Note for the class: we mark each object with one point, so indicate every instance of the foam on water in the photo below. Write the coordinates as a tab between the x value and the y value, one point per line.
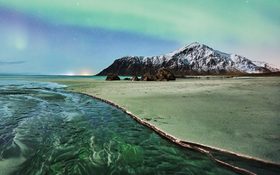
7	84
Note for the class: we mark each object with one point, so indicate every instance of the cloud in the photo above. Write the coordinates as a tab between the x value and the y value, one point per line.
11	62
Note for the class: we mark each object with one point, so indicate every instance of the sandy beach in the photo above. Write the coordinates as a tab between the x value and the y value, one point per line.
235	114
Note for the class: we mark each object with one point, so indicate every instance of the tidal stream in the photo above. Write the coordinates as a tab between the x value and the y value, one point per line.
46	130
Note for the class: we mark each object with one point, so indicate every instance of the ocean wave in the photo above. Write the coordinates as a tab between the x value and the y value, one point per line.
12	84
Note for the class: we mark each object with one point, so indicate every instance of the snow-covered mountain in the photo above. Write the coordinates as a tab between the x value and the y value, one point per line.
194	59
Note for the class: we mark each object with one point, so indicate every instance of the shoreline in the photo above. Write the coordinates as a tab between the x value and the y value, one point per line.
205	149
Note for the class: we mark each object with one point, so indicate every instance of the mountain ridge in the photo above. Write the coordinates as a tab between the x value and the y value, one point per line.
193	59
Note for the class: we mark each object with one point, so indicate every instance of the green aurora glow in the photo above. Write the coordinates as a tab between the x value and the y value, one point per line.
178	19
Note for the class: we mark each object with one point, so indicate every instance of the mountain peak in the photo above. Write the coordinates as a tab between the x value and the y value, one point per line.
194	45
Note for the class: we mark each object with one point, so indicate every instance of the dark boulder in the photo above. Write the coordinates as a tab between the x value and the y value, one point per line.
135	78
164	74
111	77
148	77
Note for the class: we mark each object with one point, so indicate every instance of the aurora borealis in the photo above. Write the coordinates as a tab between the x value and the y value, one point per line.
73	36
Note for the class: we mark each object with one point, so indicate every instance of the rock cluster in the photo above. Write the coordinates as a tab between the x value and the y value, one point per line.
162	74
112	77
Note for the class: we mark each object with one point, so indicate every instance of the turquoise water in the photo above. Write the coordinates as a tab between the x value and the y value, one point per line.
42	77
45	130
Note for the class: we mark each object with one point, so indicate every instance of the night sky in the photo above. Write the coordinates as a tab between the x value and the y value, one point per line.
85	36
